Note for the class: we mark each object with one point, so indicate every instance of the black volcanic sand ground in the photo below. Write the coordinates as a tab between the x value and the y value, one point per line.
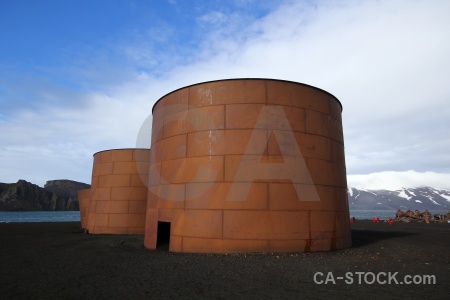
59	261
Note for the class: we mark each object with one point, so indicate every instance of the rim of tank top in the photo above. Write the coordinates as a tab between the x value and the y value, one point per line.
117	149
250	78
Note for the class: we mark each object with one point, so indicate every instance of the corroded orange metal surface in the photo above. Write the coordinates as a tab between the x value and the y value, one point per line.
118	193
248	165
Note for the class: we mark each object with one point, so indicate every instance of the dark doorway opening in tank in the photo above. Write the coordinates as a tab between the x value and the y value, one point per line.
163	238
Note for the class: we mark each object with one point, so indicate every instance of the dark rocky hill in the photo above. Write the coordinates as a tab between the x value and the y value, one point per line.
25	196
65	188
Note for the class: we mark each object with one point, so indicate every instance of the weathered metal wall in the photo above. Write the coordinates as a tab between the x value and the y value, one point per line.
248	165
119	191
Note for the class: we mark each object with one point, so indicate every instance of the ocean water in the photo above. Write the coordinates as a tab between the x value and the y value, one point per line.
39	216
74	216
369	214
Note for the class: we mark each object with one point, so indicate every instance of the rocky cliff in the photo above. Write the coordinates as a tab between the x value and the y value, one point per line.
25	196
65	188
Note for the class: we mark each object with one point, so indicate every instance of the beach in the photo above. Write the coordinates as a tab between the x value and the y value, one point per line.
57	260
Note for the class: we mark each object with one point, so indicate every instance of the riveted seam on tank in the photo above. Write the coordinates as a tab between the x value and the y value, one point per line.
222	225
265	91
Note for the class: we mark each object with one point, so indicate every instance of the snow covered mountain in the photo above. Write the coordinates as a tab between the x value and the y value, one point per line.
407	198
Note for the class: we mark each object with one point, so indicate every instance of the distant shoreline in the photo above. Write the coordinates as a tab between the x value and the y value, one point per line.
74	216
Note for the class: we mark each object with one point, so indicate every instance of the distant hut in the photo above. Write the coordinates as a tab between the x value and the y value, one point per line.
399	214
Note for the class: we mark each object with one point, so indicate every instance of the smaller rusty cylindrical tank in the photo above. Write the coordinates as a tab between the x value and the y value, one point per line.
248	165
119	191
83	203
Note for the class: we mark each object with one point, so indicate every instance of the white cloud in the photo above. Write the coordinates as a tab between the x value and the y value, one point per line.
59	141
386	61
214	18
48	160
395	180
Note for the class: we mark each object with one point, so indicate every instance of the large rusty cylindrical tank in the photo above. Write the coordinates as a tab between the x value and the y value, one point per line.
119	191
248	165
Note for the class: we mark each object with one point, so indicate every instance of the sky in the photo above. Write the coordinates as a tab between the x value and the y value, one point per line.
78	77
